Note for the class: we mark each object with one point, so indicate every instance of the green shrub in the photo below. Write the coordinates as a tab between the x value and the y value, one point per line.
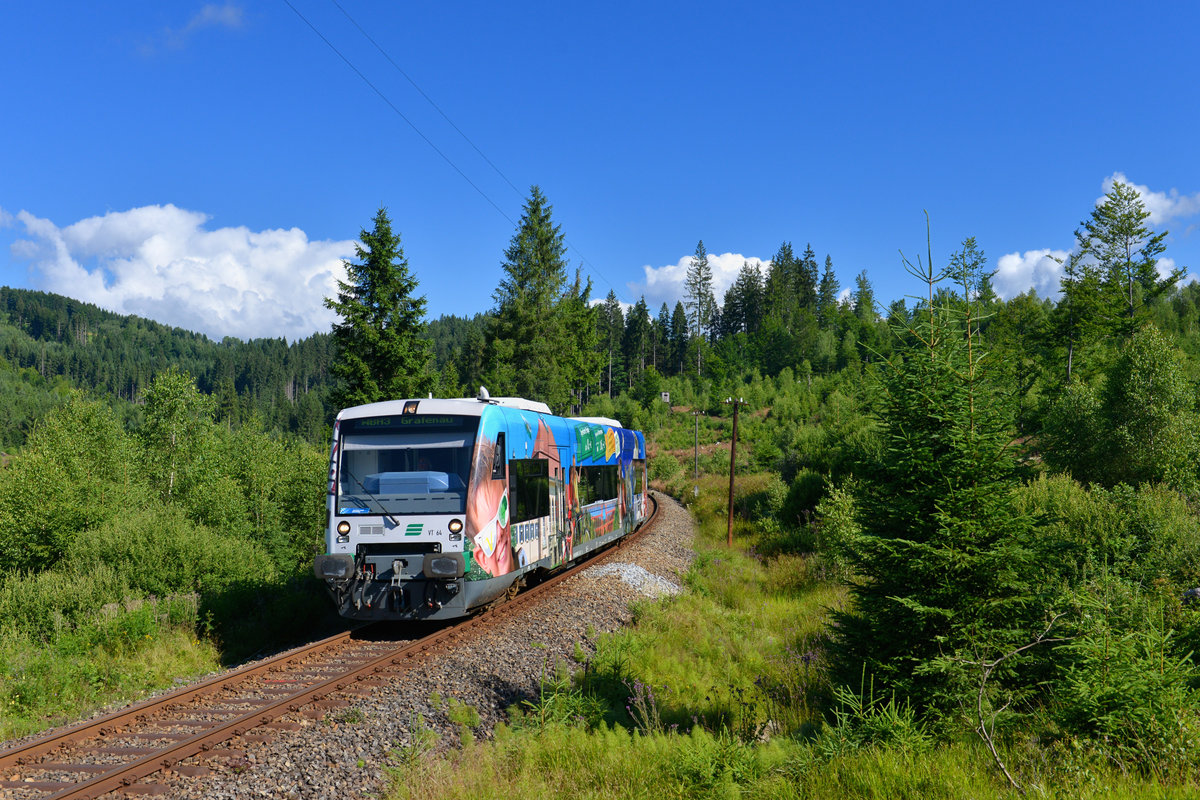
836	524
1129	696
36	606
803	495
1148	535
161	552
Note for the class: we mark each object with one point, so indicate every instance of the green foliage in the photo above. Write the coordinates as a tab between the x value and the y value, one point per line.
381	353
942	557
78	469
862	720
836	527
1140	427
1148	536
1130	696
37	605
160	552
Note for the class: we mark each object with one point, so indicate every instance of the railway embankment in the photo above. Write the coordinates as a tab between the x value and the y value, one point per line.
461	693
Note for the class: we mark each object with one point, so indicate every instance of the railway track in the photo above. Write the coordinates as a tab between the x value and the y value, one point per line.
124	751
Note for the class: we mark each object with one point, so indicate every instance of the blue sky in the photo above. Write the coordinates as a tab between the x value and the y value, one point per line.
209	164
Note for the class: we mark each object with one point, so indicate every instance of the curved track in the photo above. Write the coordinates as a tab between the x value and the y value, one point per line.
116	751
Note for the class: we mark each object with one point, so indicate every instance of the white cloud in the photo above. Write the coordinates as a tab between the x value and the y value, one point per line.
1037	269
844	296
666	284
160	262
210	15
1163	206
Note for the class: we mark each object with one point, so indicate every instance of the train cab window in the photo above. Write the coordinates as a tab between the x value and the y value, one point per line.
404	465
530	488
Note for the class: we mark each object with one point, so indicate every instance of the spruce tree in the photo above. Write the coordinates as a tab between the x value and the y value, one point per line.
806	280
779	299
942	565
827	296
527	330
611	328
381	351
679	337
636	342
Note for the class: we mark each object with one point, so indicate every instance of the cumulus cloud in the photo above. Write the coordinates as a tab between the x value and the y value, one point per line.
1037	269
160	262
1163	206
667	284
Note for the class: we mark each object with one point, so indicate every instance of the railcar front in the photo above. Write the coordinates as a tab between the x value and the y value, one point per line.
399	479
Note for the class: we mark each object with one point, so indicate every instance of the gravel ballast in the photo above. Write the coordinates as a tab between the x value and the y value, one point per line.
345	753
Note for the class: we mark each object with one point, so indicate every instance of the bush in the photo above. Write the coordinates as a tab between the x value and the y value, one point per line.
1148	535
1130	697
161	552
803	495
38	606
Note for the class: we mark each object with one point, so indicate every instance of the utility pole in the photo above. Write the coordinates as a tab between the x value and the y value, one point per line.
732	462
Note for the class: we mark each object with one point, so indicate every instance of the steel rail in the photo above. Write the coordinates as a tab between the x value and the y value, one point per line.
128	773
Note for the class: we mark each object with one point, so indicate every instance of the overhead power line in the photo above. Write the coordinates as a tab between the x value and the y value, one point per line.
399	113
428	99
590	267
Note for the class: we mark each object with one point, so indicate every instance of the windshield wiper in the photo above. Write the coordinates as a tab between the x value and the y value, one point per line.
395	522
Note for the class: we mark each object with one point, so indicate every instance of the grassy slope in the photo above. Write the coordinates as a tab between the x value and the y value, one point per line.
719	693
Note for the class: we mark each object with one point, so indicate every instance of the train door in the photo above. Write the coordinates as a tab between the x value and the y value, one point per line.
559	544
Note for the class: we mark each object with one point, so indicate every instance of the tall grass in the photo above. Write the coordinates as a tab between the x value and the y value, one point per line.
88	661
723	692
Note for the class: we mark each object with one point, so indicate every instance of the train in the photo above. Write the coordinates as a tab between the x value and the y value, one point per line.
439	507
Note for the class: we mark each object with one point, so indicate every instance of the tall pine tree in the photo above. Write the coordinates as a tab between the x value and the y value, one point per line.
528	328
381	352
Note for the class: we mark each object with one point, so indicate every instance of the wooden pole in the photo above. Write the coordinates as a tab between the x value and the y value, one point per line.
732	465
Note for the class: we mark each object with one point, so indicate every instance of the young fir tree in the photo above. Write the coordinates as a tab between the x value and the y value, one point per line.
942	565
381	352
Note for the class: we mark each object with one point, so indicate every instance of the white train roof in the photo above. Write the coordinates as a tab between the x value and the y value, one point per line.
465	407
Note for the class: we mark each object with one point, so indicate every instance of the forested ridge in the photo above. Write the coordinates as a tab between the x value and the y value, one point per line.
966	527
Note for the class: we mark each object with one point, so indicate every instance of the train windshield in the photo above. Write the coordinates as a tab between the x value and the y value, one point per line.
405	464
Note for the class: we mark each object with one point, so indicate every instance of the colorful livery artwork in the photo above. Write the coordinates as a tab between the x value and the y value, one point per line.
437	507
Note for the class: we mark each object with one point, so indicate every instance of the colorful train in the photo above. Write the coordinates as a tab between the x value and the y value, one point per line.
438	507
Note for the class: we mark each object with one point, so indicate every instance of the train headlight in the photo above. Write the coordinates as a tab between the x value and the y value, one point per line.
455	526
343	528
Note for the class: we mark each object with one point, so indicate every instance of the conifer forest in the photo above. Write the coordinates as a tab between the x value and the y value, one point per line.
997	500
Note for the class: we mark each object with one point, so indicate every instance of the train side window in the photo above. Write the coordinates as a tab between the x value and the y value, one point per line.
530	489
597	483
498	471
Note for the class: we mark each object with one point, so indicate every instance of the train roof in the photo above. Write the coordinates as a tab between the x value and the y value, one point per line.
465	407
598	421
